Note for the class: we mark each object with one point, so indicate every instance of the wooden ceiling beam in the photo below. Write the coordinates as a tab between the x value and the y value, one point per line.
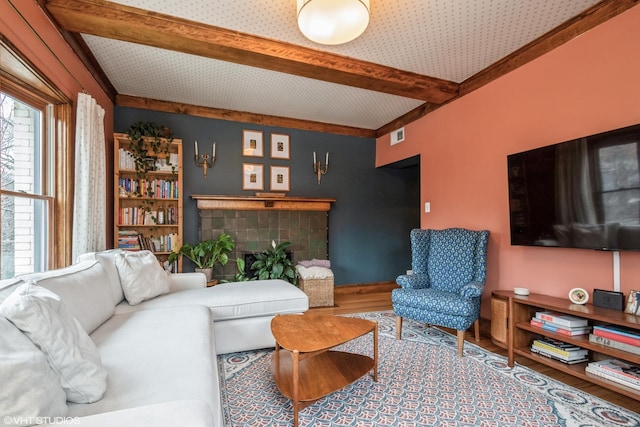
239	116
115	21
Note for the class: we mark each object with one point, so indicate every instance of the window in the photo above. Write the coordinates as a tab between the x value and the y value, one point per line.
619	168
36	198
25	186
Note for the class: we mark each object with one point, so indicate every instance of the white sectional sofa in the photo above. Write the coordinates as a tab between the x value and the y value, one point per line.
159	355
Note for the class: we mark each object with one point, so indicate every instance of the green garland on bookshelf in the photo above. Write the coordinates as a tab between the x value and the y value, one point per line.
149	141
145	138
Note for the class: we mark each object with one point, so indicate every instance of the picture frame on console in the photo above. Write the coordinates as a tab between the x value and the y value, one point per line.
633	303
280	178
252	176
280	146
252	143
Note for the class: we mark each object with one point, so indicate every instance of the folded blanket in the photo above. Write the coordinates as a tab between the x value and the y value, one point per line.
315	263
314	272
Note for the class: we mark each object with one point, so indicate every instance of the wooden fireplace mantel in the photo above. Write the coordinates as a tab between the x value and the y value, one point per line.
248	203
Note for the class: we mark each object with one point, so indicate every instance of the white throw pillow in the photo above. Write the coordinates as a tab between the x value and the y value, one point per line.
85	290
106	259
43	317
29	388
141	276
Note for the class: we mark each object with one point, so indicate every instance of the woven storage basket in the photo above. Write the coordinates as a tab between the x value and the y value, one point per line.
320	291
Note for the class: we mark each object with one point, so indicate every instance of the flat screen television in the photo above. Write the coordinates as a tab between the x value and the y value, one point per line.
583	193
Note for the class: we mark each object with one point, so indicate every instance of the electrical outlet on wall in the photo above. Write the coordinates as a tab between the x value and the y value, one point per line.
427	207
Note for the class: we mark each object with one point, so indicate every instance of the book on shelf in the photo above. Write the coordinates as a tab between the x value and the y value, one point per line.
562	319
618	345
559	344
632	333
618	333
611	377
560	329
128	240
568	361
618	371
628	370
559	348
127	233
128	246
563	356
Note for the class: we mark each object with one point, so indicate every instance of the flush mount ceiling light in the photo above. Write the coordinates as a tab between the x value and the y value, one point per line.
333	22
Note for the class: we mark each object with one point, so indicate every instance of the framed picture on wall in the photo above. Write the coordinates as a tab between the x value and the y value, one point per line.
252	144
252	176
279	178
279	146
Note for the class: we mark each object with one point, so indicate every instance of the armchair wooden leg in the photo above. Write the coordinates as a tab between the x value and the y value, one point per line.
398	327
476	327
460	342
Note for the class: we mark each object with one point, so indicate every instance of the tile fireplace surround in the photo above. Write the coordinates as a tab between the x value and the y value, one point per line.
253	222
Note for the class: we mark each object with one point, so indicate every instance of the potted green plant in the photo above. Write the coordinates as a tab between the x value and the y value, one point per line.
241	275
274	264
205	255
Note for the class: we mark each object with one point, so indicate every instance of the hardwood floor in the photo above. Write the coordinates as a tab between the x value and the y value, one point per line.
358	299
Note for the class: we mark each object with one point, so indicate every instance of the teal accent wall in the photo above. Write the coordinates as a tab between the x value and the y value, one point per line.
369	224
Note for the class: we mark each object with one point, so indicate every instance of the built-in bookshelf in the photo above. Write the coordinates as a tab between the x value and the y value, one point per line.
148	207
520	334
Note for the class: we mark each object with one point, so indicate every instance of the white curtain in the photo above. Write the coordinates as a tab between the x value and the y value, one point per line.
89	207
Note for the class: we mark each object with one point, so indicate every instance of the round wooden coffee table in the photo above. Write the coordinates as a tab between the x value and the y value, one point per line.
304	366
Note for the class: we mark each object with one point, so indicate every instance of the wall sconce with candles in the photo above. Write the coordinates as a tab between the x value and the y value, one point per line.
205	161
317	166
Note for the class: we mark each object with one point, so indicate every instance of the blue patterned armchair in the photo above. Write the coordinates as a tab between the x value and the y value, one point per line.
449	270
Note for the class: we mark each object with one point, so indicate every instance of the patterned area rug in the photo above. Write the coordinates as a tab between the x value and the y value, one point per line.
421	382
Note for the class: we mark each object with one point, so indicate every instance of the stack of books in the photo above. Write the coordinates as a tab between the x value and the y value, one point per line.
620	372
128	239
561	323
559	350
617	337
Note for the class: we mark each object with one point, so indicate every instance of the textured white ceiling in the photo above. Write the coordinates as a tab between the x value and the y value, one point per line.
449	39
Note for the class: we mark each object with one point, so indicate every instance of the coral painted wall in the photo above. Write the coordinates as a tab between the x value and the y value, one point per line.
586	86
